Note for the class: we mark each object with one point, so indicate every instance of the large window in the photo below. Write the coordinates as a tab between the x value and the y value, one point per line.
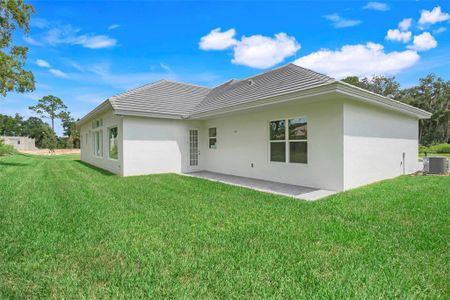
212	134
289	140
113	143
98	143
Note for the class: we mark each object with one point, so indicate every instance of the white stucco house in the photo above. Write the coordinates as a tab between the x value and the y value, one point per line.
288	125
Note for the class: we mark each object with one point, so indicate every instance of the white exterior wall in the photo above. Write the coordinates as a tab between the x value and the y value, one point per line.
374	142
153	145
243	139
87	143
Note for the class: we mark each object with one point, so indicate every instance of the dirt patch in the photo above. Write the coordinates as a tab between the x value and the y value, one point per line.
54	152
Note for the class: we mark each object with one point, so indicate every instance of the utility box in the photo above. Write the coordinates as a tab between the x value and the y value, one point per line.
437	165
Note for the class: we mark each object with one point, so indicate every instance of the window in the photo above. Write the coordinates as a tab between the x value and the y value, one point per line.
98	143
97	123
212	133
289	141
113	143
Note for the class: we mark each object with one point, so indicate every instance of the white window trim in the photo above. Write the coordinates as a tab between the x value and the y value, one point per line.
100	131
286	141
212	137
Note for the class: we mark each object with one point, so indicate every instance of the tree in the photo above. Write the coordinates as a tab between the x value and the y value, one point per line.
433	95
70	130
14	14
11	126
37	129
386	86
50	107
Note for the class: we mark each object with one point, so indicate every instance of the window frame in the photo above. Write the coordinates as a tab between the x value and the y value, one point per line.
286	140
109	142
100	135
212	138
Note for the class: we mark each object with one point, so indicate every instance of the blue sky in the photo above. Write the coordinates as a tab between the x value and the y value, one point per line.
84	52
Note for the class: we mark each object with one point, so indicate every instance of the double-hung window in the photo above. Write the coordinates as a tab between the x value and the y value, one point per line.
212	135
289	140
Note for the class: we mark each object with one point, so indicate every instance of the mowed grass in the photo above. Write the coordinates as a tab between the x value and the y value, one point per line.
68	230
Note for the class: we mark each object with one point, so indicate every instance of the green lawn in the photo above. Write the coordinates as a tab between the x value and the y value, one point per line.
68	230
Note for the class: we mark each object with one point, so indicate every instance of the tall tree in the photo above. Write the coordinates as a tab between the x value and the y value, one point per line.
433	95
14	14
386	86
50	107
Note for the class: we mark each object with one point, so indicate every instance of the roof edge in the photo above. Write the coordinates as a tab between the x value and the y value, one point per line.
100	108
363	94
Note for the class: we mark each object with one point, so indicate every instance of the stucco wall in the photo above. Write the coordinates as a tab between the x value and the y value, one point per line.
154	145
20	143
243	140
87	144
374	142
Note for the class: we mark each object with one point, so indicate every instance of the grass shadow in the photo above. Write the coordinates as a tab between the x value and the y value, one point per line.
97	169
12	164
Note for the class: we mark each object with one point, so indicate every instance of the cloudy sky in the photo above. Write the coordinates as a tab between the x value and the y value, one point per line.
84	52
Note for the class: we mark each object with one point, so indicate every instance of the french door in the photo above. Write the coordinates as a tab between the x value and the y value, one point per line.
194	150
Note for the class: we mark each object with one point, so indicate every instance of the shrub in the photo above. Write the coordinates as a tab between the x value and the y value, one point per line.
423	149
6	149
440	148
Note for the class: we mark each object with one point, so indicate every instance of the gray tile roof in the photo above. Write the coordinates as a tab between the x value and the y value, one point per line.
283	80
181	99
162	97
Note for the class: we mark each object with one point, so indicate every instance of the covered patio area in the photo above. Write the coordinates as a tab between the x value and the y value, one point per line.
296	191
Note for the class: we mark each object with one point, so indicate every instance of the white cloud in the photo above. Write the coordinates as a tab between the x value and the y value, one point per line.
434	16
58	73
32	41
42	63
340	22
217	40
95	41
398	36
256	51
261	52
377	6
113	26
405	24
165	67
423	42
359	60
69	35
39	23
439	30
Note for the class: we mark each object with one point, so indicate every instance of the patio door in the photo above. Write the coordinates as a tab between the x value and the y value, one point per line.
194	150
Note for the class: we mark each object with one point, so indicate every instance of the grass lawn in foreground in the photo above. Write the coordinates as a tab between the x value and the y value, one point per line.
68	230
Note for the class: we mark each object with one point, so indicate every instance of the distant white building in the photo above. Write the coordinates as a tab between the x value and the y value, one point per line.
20	142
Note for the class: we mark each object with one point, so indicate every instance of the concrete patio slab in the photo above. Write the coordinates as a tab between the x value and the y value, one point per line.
296	191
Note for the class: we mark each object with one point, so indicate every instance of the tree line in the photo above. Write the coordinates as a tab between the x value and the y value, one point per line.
50	107
431	94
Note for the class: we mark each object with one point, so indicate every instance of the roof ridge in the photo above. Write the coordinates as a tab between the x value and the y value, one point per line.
186	83
133	90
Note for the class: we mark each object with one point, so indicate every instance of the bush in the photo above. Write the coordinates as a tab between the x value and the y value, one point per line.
423	149
440	148
6	149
